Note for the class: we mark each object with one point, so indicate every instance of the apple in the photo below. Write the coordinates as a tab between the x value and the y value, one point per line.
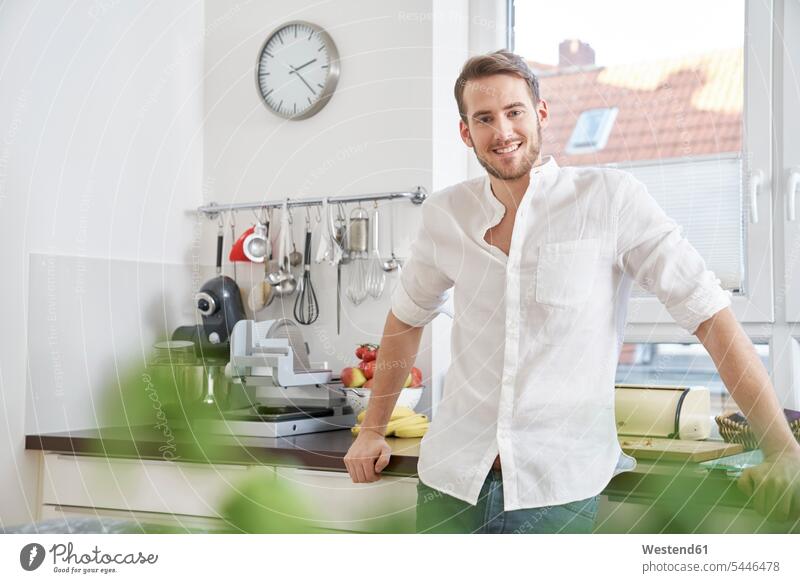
416	377
368	384
408	381
353	377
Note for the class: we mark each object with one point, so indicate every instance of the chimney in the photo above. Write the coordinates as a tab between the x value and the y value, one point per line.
574	53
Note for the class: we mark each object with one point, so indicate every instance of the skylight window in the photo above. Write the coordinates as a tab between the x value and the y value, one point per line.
592	130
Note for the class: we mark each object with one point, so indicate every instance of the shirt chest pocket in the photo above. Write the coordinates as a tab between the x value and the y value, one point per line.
566	272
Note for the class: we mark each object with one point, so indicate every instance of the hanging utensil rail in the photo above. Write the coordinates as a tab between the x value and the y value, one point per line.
416	196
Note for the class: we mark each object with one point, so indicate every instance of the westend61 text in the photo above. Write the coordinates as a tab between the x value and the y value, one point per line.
674	550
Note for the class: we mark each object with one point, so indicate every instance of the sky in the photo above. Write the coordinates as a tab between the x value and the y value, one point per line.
624	31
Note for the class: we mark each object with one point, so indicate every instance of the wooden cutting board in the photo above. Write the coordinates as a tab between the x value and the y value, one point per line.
677	450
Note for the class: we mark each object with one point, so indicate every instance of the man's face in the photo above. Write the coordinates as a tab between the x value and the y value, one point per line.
503	125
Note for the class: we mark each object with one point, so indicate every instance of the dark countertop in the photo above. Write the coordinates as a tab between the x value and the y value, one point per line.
650	480
683	496
324	450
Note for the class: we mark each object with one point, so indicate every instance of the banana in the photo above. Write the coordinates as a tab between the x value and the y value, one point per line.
397	413
405	422
400	412
415	419
413	431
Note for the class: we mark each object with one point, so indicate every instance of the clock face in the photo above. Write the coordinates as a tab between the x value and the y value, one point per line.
297	70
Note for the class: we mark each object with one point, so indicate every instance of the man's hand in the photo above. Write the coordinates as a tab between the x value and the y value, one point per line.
367	457
774	486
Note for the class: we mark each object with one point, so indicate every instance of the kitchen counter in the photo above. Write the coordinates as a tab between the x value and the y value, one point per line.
673	496
313	450
649	481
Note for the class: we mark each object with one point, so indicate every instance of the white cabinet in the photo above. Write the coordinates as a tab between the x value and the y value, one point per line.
335	502
189	495
174	521
137	485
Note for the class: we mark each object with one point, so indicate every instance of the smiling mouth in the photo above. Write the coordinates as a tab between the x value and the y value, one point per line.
509	149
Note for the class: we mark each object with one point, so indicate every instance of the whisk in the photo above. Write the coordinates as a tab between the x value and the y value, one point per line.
376	278
357	291
357	244
306	307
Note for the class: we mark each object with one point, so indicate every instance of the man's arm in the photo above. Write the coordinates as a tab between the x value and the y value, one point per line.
774	485
370	453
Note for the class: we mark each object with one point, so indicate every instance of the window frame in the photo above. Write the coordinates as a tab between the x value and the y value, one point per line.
600	138
755	302
767	308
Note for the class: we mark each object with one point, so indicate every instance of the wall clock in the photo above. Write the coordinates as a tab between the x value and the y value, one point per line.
297	70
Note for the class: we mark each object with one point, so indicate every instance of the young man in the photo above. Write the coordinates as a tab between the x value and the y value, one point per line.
541	260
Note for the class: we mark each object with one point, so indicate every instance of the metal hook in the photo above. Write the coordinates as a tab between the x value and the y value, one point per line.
308	217
319	213
289	212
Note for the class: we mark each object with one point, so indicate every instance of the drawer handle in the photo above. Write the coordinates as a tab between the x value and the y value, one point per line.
147	462
334	473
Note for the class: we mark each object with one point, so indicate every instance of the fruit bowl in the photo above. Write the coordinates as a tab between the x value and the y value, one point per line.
358	398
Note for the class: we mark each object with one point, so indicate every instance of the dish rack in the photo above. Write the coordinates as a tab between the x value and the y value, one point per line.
734	428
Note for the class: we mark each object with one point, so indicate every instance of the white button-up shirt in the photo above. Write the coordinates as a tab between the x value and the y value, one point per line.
536	334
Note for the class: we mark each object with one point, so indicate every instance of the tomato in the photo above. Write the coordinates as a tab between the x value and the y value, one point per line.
370	352
368	368
366	351
416	377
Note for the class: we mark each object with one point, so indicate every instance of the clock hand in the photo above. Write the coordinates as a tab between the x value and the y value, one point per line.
296	69
299	76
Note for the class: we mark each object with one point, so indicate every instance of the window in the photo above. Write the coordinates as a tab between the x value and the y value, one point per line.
591	131
676	102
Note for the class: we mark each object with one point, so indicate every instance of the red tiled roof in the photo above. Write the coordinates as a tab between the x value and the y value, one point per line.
539	68
667	109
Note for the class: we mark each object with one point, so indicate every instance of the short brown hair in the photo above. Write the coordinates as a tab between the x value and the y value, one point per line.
497	63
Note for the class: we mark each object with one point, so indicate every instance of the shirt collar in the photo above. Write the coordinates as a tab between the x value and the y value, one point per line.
546	169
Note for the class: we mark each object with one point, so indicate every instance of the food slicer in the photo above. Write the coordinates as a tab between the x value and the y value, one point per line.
292	396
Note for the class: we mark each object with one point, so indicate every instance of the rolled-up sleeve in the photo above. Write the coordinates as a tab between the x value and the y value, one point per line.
423	287
652	250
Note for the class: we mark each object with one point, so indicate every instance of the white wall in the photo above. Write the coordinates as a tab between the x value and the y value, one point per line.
374	135
101	137
117	118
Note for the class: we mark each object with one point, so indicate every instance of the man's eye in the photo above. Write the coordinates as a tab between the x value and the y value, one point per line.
515	113
484	120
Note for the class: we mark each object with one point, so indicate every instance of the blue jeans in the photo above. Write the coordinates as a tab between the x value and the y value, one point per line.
439	513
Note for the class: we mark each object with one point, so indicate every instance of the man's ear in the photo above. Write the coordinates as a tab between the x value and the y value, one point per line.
463	129
541	110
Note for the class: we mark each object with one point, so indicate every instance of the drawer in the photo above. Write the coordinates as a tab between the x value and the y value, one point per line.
139	485
335	502
178	522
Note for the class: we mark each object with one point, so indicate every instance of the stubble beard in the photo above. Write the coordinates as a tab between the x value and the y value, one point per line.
526	162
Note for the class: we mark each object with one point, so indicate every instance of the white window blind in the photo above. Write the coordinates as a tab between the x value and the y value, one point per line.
705	198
